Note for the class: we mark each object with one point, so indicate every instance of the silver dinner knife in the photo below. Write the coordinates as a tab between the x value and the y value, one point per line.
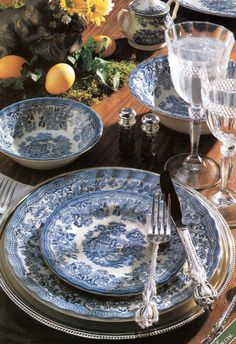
204	293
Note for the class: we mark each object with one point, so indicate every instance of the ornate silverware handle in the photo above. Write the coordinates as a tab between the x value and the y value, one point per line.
219	326
204	293
147	314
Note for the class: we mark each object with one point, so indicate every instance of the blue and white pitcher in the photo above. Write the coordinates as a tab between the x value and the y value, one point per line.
145	21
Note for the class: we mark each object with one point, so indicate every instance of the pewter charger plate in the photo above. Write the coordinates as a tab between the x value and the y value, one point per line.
98	242
176	304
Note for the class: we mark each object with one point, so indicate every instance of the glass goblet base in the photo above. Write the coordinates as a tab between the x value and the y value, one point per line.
224	201
203	176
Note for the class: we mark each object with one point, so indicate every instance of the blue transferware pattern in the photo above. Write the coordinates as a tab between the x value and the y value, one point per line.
151	84
149	37
22	243
145	22
223	8
98	242
44	145
151	30
48	129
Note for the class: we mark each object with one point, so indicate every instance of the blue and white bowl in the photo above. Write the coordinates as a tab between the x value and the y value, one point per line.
151	84
46	133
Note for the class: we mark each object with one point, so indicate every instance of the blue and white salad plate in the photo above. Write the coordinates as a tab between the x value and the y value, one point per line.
98	242
21	245
223	8
50	132
151	84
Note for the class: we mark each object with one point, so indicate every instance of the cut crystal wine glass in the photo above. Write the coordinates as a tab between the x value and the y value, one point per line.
219	99
191	47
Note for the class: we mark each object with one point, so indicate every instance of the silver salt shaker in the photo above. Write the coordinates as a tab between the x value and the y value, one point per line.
127	123
150	127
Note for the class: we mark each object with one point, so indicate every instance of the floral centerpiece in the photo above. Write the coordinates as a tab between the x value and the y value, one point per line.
46	47
93	11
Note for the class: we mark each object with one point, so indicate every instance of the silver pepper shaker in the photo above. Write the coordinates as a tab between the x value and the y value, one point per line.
150	127
127	123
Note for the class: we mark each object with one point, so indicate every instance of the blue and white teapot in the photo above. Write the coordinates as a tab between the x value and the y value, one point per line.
145	21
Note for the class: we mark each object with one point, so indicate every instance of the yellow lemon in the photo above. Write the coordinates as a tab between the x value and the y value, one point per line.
59	78
10	66
111	45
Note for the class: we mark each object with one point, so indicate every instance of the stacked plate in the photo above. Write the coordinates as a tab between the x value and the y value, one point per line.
74	254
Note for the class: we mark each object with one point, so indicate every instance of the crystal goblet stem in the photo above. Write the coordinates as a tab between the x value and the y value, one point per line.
224	196
193	161
192	169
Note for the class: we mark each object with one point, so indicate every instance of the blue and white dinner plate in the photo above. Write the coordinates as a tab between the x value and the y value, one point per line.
98	242
223	8
151	84
21	244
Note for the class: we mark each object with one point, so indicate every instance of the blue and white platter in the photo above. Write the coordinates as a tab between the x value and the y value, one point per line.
223	8
151	84
22	243
98	242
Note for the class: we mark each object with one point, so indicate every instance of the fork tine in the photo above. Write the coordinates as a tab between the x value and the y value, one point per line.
168	222
8	194
163	217
157	228
151	221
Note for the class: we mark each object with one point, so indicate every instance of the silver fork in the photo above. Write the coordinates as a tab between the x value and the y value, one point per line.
7	189
159	231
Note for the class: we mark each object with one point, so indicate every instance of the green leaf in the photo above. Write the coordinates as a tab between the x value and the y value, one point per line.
89	44
87	60
103	75
99	63
36	76
116	81
71	59
102	45
74	57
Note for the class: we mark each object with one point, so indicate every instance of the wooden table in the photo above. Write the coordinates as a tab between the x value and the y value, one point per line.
106	153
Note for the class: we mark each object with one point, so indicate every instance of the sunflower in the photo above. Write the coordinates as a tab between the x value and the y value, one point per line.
78	6
92	10
97	9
